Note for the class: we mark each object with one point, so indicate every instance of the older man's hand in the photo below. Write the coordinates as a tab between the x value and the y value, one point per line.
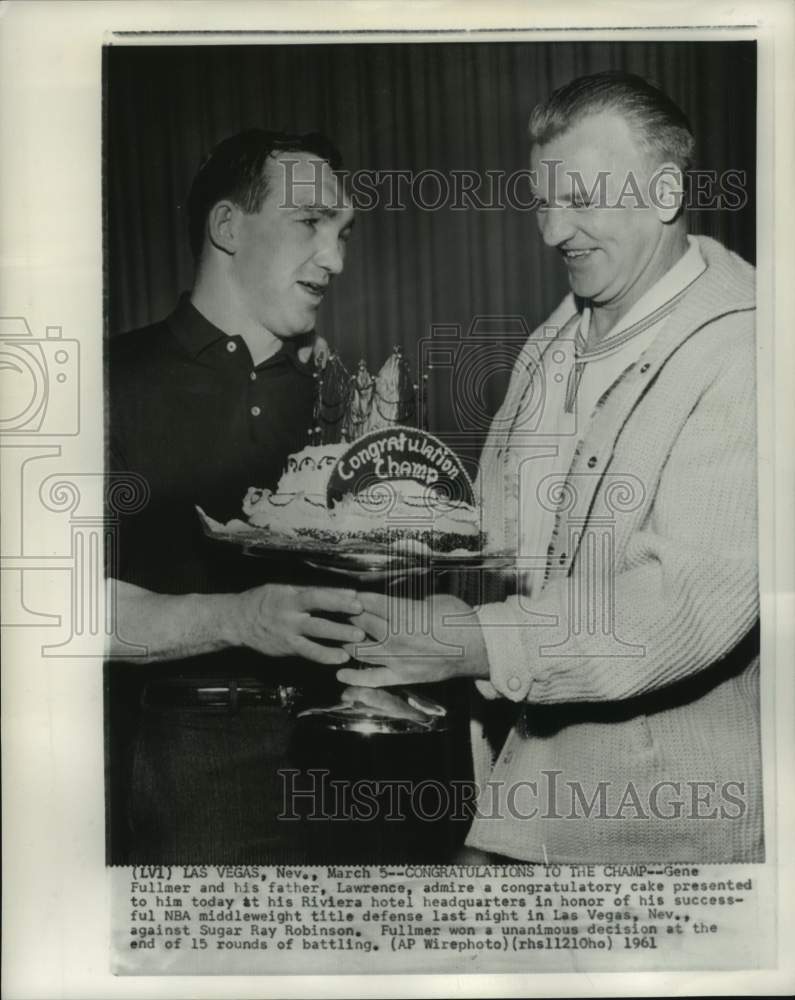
415	642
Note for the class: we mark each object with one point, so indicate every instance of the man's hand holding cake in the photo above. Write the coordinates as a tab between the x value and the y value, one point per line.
274	619
279	620
414	642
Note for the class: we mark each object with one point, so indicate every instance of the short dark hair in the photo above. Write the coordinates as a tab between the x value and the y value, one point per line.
236	169
661	127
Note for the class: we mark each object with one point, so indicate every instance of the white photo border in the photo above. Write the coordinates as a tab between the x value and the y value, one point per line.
55	900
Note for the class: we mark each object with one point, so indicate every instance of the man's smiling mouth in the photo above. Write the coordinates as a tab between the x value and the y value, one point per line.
314	288
574	254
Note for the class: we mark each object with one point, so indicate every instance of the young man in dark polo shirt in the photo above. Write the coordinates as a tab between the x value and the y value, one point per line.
203	405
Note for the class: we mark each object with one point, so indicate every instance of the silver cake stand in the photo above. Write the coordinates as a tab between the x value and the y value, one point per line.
381	711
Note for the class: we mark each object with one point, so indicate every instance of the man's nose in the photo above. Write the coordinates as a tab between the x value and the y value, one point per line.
556	226
331	256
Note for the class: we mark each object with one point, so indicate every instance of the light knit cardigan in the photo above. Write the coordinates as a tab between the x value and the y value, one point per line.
676	699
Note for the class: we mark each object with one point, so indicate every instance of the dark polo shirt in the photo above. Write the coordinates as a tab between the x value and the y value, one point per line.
189	411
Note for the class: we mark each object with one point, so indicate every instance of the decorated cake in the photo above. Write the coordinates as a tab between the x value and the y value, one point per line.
385	484
397	484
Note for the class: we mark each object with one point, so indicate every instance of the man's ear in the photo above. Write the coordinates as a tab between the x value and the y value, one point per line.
666	191
222	228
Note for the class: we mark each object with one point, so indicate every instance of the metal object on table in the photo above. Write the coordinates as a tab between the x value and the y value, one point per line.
231	694
396	711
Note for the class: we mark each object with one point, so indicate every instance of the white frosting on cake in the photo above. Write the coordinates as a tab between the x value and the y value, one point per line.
404	506
357	515
308	471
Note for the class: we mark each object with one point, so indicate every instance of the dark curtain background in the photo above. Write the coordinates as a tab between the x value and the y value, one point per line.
391	107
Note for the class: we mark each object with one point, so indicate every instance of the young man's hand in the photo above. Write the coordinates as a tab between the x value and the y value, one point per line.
281	620
274	619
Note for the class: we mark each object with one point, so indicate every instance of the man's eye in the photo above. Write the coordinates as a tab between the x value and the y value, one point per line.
312	221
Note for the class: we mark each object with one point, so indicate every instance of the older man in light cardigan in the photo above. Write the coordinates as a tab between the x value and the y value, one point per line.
630	647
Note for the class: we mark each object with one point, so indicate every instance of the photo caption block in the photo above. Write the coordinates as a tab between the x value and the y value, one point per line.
255	919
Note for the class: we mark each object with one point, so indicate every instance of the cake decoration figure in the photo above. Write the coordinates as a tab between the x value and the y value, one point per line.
394	395
331	404
360	401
